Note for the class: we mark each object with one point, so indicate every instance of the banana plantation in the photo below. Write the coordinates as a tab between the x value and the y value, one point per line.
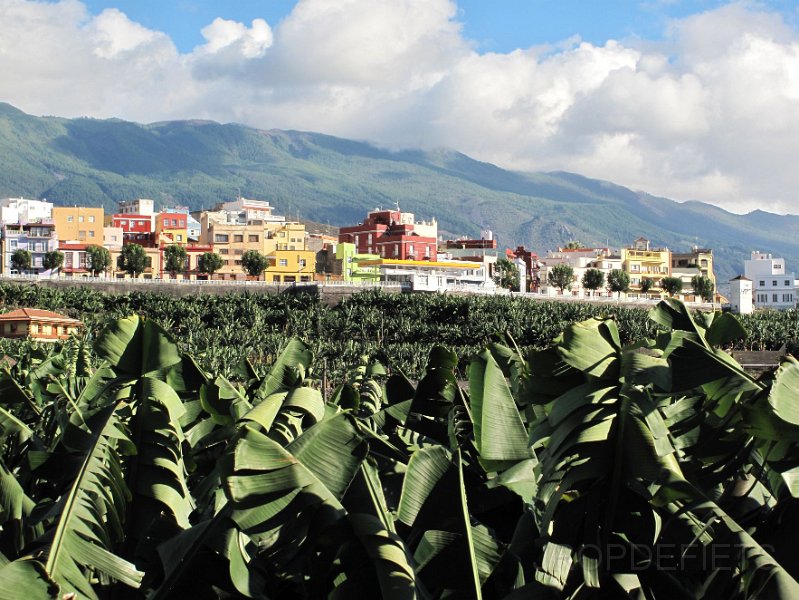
222	332
619	457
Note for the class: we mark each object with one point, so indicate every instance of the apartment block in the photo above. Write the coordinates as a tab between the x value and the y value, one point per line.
393	234
79	223
773	286
38	238
24	210
640	261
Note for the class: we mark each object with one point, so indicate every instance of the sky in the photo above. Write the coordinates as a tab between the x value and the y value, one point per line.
687	99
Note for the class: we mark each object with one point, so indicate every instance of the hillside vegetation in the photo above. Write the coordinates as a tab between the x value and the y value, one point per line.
336	181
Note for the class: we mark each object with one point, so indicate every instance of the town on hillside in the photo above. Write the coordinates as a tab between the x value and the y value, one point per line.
243	240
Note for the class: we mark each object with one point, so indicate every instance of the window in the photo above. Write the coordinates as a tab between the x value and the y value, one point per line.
91	219
762	284
787	282
774	297
91	232
252	238
238	251
302	262
180	238
181	223
223	251
221	238
149	262
774	283
276	278
70	218
283	262
238	238
80	219
82	233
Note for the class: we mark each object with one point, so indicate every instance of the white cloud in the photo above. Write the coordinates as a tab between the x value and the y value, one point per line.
711	113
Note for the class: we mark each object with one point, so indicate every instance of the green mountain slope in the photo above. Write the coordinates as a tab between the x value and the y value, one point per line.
332	180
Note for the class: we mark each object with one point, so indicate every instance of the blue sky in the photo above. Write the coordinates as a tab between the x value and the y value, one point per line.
494	25
687	99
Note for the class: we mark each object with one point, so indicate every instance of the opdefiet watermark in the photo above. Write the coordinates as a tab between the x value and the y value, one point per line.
621	557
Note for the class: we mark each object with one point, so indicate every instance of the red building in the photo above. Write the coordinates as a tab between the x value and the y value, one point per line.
392	234
133	223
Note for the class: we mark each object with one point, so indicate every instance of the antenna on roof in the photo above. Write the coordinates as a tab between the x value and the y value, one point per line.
396	203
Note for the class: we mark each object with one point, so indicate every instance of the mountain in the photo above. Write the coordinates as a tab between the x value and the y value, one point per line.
336	181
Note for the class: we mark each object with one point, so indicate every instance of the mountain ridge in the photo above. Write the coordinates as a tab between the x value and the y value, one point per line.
324	178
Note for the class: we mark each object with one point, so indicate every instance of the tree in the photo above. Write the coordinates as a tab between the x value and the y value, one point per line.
132	259
209	262
21	260
506	275
574	245
593	279
703	286
98	259
561	276
254	263
646	285
618	281
175	259
671	285
53	260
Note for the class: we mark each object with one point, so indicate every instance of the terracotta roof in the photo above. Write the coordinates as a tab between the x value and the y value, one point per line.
35	314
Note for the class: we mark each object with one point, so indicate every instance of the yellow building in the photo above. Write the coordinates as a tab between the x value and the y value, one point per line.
642	262
234	232
79	223
290	265
231	238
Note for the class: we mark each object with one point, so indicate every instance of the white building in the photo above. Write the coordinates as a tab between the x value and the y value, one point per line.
773	287
580	260
741	295
24	210
432	276
251	210
140	206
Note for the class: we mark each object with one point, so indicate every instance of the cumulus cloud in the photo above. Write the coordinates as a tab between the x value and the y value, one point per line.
711	112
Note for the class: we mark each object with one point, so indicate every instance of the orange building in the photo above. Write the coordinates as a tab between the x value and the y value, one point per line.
36	324
79	223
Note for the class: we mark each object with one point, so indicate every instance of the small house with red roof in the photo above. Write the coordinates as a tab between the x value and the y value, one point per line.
36	324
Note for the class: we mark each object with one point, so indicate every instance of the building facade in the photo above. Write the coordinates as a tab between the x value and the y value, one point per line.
36	324
772	285
741	295
640	262
24	210
38	238
393	234
79	223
